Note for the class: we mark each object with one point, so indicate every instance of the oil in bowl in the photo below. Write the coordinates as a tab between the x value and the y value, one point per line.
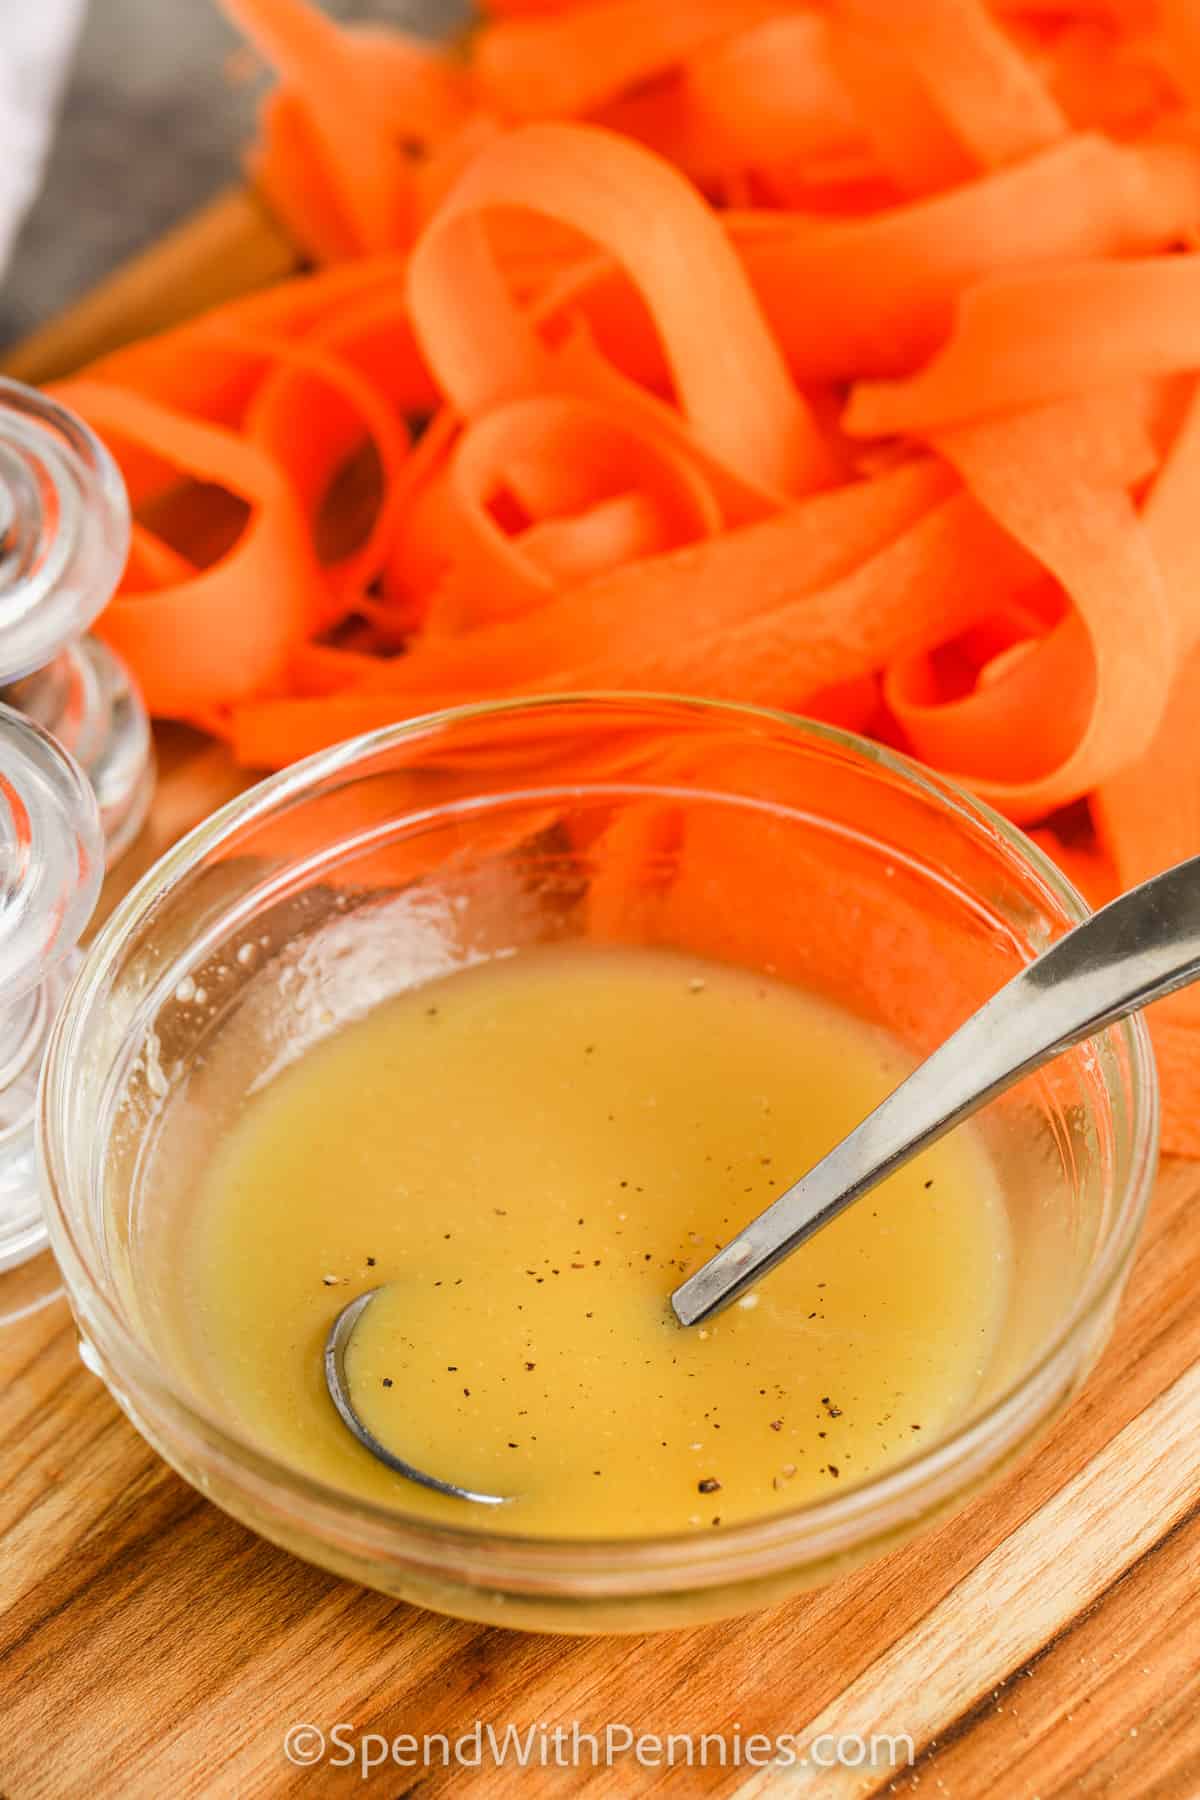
526	1157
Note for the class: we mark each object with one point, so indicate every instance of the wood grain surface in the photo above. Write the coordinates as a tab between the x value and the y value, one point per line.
1043	1643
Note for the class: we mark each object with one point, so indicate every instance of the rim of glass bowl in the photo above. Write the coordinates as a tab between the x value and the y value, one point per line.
737	1551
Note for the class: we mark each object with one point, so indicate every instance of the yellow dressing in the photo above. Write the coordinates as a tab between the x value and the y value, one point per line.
532	1154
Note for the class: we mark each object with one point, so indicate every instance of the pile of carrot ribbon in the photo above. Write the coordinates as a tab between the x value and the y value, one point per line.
837	357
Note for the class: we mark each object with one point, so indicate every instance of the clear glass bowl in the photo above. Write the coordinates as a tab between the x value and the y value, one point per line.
397	857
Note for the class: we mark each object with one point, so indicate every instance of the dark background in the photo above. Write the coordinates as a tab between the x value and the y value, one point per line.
152	125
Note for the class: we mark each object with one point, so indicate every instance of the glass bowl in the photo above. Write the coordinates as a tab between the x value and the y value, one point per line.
402	855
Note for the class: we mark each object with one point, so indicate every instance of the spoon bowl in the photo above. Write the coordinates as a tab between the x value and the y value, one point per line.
336	1345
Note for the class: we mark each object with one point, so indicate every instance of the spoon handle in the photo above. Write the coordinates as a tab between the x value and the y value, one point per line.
1135	950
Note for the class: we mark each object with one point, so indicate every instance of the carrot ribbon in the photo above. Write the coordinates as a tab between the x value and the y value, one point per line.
843	359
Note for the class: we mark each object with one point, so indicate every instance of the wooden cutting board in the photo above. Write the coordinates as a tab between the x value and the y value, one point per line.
1044	1642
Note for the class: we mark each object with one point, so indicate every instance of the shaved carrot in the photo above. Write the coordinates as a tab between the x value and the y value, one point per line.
1181	30
289	169
373	334
346	113
714	336
669	117
569	63
1103	81
618	530
183	366
849	627
311	415
1084	197
785	656
555	455
269	734
1148	815
420	92
511	9
799	104
841	358
1043	477
581	369
228	630
913	143
643	611
152	563
1143	838
1021	340
982	86
415	94
318	669
1170	520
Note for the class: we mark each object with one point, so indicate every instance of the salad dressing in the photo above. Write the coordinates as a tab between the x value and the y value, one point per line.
528	1156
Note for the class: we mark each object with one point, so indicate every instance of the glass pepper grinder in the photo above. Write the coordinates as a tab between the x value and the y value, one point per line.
64	539
51	866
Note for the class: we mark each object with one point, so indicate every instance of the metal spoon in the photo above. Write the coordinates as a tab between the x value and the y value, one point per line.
1139	948
340	1333
1135	950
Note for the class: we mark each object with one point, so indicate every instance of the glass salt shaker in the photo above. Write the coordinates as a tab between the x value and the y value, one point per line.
64	539
51	866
